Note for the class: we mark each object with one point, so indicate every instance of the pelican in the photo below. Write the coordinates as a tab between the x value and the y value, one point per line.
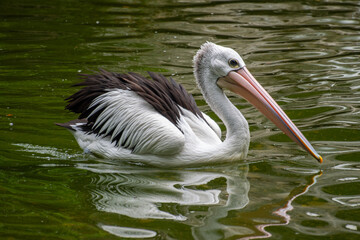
155	121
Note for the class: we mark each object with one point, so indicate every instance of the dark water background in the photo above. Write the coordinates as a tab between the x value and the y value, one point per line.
305	53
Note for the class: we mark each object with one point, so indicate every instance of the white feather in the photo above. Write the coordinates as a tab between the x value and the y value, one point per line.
154	139
201	129
142	128
215	127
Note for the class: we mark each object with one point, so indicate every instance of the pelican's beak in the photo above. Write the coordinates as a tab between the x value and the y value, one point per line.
243	83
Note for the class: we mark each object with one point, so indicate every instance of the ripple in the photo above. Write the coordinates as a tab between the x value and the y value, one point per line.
348	179
127	232
306	54
44	152
351	227
302	170
348	166
352	201
311	214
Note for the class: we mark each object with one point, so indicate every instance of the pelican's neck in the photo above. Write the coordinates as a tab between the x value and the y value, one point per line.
237	129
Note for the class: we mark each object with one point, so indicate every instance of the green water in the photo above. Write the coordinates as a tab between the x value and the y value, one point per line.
305	53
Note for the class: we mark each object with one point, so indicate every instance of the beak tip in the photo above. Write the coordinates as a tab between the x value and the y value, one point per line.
320	159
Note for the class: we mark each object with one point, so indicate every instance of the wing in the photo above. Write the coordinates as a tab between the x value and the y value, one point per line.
131	122
166	96
134	112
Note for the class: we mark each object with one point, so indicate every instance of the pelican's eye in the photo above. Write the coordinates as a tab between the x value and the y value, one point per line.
233	63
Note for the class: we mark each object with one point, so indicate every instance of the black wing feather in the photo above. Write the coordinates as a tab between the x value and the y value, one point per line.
165	95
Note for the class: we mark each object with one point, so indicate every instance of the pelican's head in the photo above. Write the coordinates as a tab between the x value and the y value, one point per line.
217	67
215	60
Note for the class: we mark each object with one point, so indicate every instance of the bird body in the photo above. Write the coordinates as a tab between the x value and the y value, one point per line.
155	121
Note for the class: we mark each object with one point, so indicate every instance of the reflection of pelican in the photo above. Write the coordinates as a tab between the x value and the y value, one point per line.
184	196
127	116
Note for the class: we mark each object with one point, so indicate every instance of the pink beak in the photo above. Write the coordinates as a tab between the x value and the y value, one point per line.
243	83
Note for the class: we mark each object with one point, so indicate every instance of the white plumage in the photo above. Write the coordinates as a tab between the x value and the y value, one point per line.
129	117
142	128
152	138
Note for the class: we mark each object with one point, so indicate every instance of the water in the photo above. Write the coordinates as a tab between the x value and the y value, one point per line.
305	53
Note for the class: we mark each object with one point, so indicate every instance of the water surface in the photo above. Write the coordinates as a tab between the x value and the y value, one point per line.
305	53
